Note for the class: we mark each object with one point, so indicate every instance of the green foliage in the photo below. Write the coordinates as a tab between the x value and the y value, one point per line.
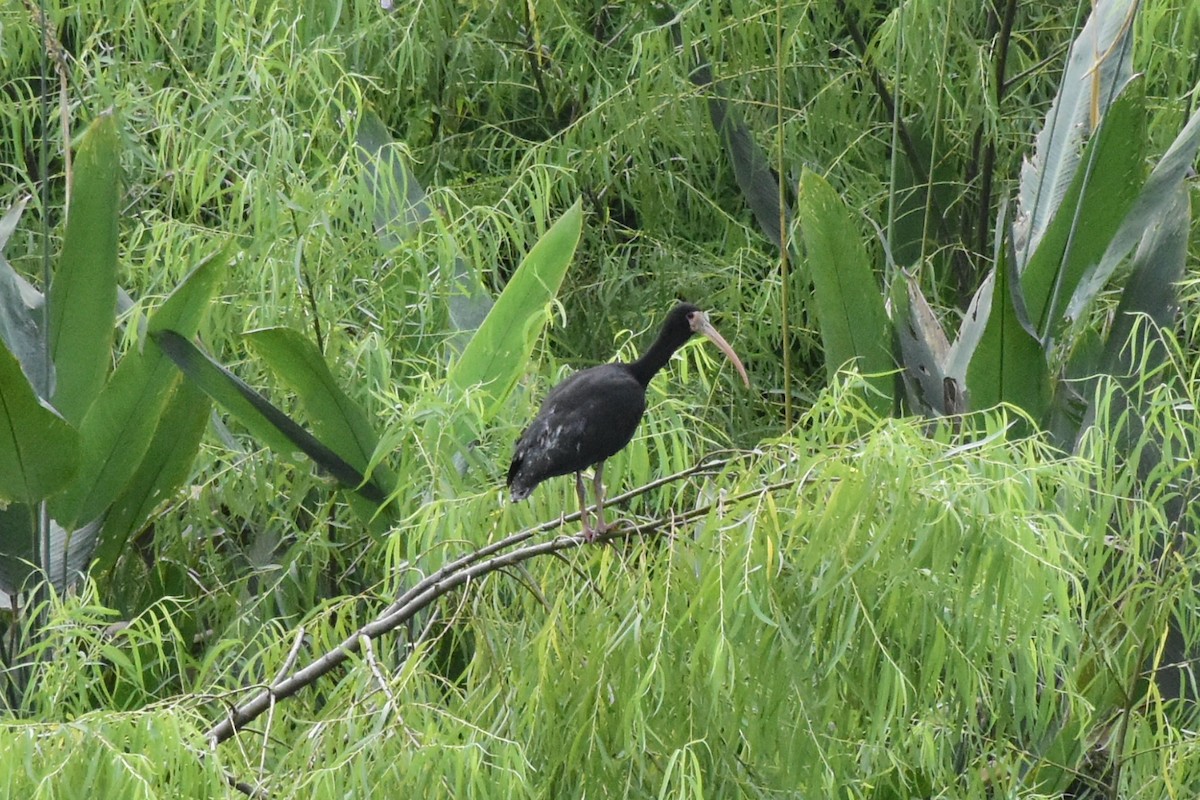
77	439
41	449
82	301
267	422
496	356
854	326
851	607
1008	364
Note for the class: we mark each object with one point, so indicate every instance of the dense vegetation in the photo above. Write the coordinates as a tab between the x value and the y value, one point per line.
835	584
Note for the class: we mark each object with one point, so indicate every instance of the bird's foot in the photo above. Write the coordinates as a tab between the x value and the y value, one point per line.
592	532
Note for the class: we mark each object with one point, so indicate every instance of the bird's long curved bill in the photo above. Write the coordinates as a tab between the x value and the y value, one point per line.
703	326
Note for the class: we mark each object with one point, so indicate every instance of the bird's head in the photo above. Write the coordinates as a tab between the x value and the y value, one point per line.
689	319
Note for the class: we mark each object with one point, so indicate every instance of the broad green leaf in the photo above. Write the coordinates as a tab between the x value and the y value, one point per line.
83	291
336	419
1104	187
1008	365
39	450
161	471
117	429
854	324
263	420
498	352
186	306
1153	207
1099	63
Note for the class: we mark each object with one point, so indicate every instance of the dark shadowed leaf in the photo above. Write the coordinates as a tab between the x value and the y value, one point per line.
751	168
1157	267
400	208
263	420
67	556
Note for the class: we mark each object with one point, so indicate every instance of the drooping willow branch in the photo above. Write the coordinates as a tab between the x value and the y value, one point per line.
461	572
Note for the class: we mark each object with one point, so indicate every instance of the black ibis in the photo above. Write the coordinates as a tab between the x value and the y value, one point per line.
591	415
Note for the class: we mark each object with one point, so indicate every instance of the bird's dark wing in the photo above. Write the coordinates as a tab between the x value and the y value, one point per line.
584	420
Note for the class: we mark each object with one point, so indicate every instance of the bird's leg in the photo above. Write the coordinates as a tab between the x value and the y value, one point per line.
598	483
588	533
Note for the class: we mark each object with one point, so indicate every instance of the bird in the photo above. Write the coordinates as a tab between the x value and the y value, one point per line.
591	415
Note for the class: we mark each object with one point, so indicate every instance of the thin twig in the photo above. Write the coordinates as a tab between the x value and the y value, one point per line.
369	654
57	53
290	660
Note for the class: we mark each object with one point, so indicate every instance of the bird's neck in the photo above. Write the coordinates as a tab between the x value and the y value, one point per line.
654	359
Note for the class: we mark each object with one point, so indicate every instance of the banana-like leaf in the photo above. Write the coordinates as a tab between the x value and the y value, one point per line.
1009	364
18	532
1157	266
336	419
263	420
161	471
970	331
1102	191
117	429
854	324
1099	63
498	352
39	450
1153	207
401	208
83	292
751	167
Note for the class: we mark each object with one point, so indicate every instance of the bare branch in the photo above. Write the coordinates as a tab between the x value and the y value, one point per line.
461	572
